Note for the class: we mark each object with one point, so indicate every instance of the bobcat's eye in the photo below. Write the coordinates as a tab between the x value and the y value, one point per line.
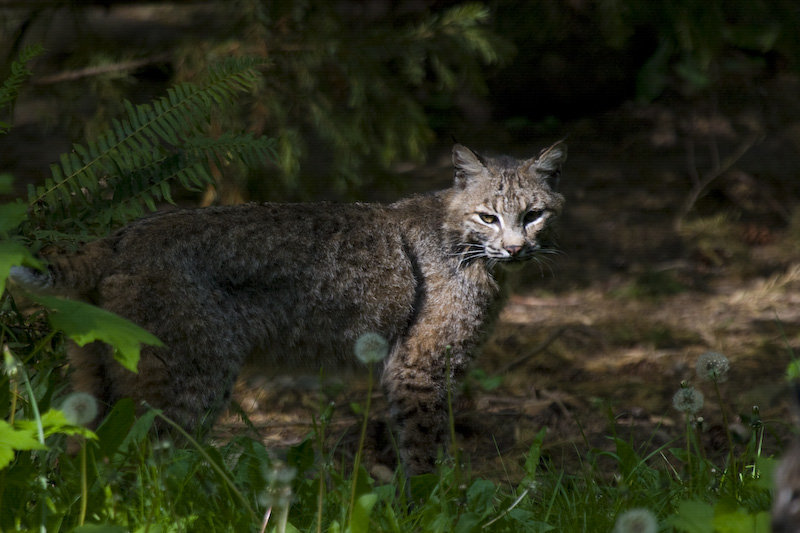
487	218
532	216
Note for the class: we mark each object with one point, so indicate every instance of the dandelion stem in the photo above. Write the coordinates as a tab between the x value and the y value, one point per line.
266	520
84	483
361	440
689	451
727	427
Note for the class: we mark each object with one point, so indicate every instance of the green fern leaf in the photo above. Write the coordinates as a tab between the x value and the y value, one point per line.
19	75
153	145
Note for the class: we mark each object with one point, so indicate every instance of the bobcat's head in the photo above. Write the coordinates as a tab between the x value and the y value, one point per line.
500	207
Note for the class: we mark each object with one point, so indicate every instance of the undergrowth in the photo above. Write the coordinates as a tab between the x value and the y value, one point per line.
126	479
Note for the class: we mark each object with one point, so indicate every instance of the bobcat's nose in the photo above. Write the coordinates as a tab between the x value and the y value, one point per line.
513	249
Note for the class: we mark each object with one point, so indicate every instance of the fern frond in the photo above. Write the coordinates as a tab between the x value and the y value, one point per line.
134	162
16	79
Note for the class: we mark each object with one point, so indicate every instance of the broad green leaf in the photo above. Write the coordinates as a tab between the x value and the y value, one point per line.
480	497
793	371
140	428
694	517
467	523
301	456
116	427
740	521
16	439
11	216
359	522
53	421
13	254
84	323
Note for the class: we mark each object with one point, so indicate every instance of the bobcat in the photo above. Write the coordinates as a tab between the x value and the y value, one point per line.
295	285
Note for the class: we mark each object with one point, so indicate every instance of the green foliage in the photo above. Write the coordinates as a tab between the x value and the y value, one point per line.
363	79
347	87
135	163
97	187
700	42
135	483
12	440
84	323
18	76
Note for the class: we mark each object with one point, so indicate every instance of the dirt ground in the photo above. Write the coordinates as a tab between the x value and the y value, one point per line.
652	276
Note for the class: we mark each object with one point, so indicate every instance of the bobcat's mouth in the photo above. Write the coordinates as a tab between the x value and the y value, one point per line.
513	264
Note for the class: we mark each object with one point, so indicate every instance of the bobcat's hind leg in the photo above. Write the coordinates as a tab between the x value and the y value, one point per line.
190	389
88	367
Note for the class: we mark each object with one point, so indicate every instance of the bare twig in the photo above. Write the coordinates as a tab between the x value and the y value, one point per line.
539	349
88	72
719	167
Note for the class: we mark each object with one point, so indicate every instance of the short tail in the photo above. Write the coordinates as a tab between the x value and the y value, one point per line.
31	279
77	274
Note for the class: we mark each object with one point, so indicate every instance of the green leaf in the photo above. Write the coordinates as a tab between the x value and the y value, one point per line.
115	427
694	517
84	323
12	440
54	421
301	456
730	518
359	522
468	523
480	497
140	428
793	371
11	216
534	454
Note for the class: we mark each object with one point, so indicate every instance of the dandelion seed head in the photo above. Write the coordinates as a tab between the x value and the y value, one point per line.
636	521
713	366
281	475
371	347
278	493
688	400
80	408
11	367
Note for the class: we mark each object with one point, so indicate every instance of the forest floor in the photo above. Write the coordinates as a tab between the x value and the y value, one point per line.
678	238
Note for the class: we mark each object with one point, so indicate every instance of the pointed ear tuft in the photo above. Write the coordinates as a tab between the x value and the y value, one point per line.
549	162
467	163
551	159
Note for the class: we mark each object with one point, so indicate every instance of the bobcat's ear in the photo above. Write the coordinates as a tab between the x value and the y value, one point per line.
549	162
467	163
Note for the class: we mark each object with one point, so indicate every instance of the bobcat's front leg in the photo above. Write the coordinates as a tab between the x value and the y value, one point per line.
416	380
